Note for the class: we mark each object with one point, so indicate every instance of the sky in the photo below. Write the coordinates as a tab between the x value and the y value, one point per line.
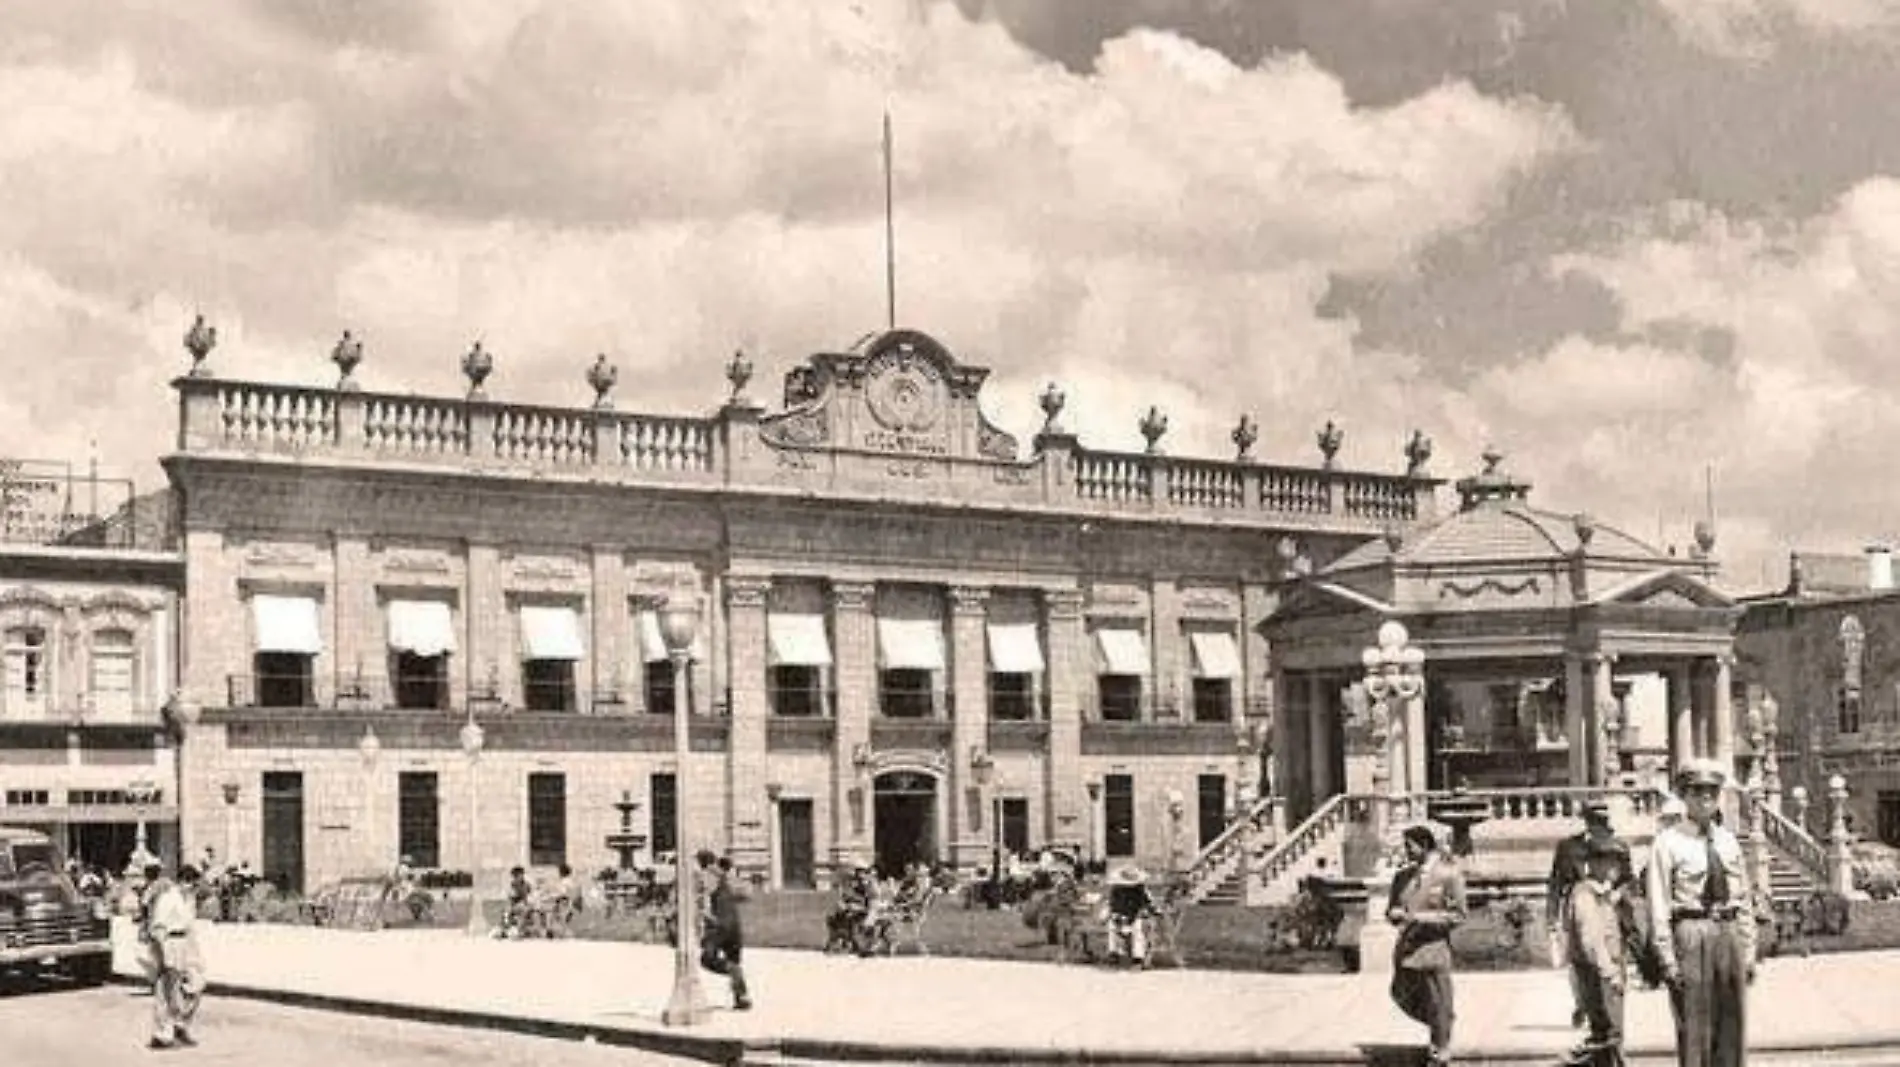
1641	247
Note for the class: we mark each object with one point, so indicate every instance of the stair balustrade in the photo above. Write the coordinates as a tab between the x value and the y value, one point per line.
1226	855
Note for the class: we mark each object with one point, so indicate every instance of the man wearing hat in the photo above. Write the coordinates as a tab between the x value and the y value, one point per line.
723	949
1703	923
1427	902
1567	870
1594	935
1129	906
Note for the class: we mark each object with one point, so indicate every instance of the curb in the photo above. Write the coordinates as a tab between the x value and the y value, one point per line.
795	1052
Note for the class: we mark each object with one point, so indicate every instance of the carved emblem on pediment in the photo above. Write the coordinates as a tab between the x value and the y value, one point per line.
545	568
1116	598
29	596
416	561
1206	600
116	600
798	429
1668	598
280	554
660	578
904	390
992	443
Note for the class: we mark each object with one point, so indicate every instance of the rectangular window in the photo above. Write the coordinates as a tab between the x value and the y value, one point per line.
1012	696
795	691
547	819
1118	815
1849	710
1211	807
1120	697
421	681
1213	700
664	816
904	693
419	819
112	672
1015	824
26	681
661	687
282	680
27	798
547	684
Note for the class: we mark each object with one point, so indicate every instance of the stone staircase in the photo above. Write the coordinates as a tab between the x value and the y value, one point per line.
1797	863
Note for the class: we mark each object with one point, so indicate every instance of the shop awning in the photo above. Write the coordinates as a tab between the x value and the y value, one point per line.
421	627
1015	649
551	633
1121	650
1216	655
909	645
653	643
797	641
287	624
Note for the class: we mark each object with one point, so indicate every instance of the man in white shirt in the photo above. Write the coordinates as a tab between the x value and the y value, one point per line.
1703	923
176	988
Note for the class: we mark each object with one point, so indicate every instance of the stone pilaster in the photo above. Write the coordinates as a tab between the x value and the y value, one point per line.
609	652
1603	703
358	641
215	622
855	628
1681	718
747	758
1069	673
1722	713
490	643
1577	719
969	668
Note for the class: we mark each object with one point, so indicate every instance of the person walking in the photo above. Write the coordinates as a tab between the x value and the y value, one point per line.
1702	921
1598	970
1567	871
724	947
178	983
1427	902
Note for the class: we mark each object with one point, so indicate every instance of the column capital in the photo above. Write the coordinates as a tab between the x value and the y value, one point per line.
852	596
969	599
747	591
1063	603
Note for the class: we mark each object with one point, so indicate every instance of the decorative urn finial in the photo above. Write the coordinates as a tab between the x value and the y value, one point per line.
602	376
1245	435
1152	426
1052	399
1330	437
1418	452
347	354
1492	457
1585	527
477	364
1704	537
199	341
739	373
1394	537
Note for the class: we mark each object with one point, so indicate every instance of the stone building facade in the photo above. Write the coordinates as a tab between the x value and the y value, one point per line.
919	640
1827	648
88	653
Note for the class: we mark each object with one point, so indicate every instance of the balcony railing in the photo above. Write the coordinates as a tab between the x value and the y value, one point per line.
729	448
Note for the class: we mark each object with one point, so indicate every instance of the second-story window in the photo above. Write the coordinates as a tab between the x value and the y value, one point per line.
1015	653
910	660
659	679
1848	711
26	677
1216	666
421	639
289	635
113	676
551	651
798	657
1121	670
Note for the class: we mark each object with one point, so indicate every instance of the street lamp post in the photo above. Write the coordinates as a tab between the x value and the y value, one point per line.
142	794
232	790
1394	668
1177	807
679	623
370	748
472	739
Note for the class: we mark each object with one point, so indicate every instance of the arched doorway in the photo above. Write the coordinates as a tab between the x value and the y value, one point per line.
905	814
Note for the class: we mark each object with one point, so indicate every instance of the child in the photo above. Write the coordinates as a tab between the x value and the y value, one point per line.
1597	955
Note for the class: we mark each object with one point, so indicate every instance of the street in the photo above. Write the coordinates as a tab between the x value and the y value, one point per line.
56	1027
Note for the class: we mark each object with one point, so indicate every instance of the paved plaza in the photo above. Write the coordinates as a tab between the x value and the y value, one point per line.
816	1008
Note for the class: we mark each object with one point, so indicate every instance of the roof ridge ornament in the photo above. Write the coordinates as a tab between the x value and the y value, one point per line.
1491	485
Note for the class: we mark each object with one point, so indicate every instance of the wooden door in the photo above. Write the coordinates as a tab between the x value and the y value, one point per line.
283	830
797	851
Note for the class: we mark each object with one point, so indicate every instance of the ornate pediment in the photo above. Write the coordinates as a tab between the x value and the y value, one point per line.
29	596
1312	599
1665	589
117	600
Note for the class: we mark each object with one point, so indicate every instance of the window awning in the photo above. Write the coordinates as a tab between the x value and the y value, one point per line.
653	643
421	627
1216	655
287	624
1120	650
797	640
1015	649
909	645
551	633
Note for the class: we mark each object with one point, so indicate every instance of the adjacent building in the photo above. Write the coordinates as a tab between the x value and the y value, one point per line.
920	640
88	648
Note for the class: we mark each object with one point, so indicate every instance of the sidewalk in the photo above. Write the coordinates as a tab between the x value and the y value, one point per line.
815	1008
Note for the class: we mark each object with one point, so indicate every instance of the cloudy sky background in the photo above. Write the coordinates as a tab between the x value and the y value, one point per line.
1622	241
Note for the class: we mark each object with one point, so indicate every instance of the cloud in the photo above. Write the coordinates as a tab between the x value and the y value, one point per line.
1749	29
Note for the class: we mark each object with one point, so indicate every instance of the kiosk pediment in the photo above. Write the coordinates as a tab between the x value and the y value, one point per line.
1665	589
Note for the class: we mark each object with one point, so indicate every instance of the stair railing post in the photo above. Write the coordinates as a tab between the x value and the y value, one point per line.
1840	854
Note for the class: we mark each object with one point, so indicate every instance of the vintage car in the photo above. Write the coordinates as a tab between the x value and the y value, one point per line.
45	923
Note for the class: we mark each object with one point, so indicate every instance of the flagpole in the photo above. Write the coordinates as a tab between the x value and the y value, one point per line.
890	231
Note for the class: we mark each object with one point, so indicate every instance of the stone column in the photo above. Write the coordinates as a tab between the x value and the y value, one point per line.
1722	714
1068	672
747	755
359	653
856	659
1603	703
612	618
969	731
1319	738
1577	718
1681	719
